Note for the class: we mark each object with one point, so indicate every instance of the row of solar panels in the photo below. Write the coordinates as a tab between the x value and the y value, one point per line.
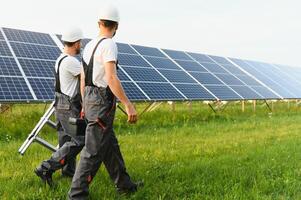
147	74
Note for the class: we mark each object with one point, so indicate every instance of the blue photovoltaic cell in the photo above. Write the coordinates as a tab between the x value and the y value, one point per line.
193	91
37	68
266	93
4	50
1	36
233	69
201	57
14	89
122	76
133	92
294	72
144	74
191	66
161	63
178	55
229	79
268	79
177	76
246	92
35	51
220	60
132	60
9	67
206	78
160	91
248	80
214	68
149	51
125	48
223	92
85	41
28	37
43	88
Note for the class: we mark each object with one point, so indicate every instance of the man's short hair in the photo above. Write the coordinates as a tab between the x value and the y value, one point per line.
109	24
70	44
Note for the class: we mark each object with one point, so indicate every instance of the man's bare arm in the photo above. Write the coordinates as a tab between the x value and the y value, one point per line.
82	83
116	88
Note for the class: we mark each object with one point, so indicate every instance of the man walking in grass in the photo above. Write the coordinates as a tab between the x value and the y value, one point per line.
67	104
102	87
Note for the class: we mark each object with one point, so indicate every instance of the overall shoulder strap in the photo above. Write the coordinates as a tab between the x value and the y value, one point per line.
57	76
88	68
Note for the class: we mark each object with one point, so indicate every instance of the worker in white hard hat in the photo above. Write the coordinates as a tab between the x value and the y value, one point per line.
101	89
67	104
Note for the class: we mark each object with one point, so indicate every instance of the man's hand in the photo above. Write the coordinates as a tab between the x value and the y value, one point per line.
131	112
82	114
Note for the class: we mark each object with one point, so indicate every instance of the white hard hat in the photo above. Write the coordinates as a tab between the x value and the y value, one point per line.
72	34
109	12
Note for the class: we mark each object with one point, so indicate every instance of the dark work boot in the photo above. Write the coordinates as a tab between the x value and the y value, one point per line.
132	189
45	175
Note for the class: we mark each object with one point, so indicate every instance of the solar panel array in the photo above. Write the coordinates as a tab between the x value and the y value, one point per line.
27	62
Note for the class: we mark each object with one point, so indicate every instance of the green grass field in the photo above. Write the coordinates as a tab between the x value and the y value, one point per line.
179	155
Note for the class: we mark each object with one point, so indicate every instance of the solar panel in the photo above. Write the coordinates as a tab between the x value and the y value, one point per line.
255	69
37	68
223	92
28	37
132	60
1	36
148	51
194	91
207	68
214	68
14	89
246	92
292	72
4	49
177	76
265	92
191	66
8	67
143	74
178	55
200	57
160	91
122	76
161	63
133	92
35	51
43	88
206	78
146	73
229	79
125	48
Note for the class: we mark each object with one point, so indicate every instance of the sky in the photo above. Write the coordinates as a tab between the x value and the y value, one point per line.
263	30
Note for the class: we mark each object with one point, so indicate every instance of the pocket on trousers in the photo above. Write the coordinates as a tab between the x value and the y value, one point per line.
62	103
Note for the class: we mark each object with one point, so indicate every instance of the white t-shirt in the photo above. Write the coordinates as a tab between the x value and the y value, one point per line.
105	52
70	68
